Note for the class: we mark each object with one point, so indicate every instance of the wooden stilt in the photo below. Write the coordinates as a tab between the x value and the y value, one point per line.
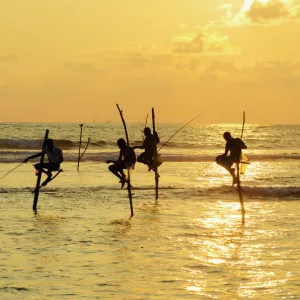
240	192
239	188
155	158
79	156
128	167
38	181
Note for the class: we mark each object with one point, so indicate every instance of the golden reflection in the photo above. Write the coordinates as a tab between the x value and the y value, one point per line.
216	261
194	288
221	247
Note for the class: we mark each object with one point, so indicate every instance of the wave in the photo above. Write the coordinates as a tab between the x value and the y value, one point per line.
252	193
16	155
273	192
37	144
184	147
20	144
257	192
32	144
68	144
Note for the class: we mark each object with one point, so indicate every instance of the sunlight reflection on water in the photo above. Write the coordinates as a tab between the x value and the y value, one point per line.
188	245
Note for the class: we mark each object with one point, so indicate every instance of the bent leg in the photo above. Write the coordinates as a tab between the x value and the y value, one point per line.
44	167
226	162
146	160
142	158
117	170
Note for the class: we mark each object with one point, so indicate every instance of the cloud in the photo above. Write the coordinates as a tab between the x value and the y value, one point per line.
203	42
146	59
8	58
138	56
83	67
188	43
192	65
217	66
258	12
267	73
272	10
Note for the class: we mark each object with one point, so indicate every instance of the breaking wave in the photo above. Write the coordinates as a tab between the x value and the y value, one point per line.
211	194
16	155
37	144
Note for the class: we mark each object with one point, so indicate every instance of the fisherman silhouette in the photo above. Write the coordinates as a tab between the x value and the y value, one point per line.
234	146
149	145
128	161
55	158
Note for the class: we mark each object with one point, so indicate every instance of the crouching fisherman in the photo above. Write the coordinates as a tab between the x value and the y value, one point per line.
55	158
126	160
234	146
147	157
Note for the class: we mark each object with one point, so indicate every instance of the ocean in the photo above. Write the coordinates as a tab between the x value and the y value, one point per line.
189	244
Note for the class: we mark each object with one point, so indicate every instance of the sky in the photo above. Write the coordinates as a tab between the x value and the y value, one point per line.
73	60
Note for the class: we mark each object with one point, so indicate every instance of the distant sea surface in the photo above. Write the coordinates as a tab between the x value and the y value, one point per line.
190	244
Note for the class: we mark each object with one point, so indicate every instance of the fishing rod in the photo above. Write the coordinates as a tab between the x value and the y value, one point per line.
180	130
243	125
144	127
12	170
207	166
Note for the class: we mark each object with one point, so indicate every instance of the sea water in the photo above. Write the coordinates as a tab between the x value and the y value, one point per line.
189	244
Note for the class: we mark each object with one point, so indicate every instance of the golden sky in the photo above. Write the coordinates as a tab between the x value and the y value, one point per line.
73	60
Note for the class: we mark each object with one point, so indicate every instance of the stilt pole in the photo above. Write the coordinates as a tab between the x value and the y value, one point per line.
128	169
155	157
38	181
239	188
240	192
79	156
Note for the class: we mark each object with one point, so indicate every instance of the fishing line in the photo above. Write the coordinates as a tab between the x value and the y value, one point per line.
180	130
12	170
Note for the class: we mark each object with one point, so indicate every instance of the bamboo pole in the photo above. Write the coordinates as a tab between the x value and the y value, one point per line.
240	192
128	169
79	156
239	188
38	181
155	157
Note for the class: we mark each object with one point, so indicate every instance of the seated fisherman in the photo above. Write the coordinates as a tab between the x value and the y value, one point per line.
234	146
129	160
150	148
55	158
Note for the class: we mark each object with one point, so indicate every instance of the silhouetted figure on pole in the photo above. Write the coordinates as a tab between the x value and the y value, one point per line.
149	145
126	160
234	146
55	158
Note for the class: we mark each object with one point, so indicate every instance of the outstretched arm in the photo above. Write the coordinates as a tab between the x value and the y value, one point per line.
114	161
32	156
138	147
